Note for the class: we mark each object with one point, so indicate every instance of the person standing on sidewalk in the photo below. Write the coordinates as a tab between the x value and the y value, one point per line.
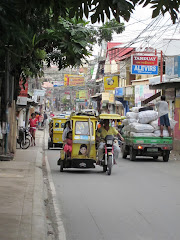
33	124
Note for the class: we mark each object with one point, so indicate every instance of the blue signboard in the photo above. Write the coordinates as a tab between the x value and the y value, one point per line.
119	92
144	69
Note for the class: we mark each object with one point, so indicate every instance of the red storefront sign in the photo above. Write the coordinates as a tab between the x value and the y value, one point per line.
24	90
145	60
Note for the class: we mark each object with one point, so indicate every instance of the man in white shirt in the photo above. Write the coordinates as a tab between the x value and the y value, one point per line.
163	110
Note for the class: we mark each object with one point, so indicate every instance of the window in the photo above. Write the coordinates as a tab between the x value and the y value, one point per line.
82	128
56	125
62	125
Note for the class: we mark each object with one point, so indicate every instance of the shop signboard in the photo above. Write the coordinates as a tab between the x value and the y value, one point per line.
141	93
110	82
105	97
111	98
58	83
83	94
22	98
119	92
39	92
141	64
73	80
172	67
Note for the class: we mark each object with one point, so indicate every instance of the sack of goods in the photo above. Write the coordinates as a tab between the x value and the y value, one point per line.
156	126
134	134
157	133
132	115
128	121
144	124
147	116
141	128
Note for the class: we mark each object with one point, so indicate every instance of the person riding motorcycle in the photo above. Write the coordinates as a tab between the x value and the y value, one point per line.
102	133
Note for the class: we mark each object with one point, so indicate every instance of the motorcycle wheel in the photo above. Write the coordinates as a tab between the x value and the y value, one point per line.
25	144
109	165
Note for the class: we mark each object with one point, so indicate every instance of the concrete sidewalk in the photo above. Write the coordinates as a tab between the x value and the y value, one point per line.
22	210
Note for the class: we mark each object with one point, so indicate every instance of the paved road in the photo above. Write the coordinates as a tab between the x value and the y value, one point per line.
139	201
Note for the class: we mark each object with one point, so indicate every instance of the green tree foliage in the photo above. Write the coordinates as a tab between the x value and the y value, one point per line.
52	30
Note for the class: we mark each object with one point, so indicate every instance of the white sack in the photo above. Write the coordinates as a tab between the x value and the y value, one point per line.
172	123
134	134
135	109
154	124
140	128
128	121
157	133
156	127
147	116
132	115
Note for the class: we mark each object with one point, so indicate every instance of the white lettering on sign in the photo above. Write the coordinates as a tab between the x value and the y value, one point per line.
144	68
145	58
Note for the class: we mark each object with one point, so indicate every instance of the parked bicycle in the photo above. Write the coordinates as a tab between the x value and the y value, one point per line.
24	138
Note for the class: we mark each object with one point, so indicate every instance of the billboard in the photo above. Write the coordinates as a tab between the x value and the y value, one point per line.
110	83
58	83
105	97
141	93
83	94
119	92
73	80
141	64
22	98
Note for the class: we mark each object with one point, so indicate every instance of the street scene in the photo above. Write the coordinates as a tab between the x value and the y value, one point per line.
89	120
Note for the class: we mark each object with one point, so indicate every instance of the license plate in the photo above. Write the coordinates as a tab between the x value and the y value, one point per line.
152	149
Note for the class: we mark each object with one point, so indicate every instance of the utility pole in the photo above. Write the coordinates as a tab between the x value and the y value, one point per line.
7	75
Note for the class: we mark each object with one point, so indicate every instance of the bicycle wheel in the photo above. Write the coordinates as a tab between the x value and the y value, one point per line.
25	144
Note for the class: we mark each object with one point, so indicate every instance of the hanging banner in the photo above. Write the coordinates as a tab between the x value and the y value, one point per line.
105	97
111	98
73	80
22	98
110	82
144	64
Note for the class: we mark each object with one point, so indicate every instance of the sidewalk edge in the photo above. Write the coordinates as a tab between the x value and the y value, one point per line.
61	231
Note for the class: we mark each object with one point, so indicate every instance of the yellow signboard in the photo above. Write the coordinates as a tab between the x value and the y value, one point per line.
73	80
105	97
83	94
110	82
111	98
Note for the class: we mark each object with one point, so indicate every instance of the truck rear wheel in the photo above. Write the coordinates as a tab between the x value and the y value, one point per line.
132	154
166	157
124	152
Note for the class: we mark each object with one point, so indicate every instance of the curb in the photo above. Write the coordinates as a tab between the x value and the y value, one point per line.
60	226
39	229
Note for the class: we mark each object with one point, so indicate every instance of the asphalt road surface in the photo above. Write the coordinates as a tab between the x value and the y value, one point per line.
139	201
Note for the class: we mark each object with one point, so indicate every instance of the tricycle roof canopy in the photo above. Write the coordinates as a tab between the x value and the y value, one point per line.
109	116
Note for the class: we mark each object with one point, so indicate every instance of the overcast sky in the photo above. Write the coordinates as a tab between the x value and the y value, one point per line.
142	31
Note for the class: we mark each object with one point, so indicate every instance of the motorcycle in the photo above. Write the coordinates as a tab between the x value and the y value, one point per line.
23	138
108	159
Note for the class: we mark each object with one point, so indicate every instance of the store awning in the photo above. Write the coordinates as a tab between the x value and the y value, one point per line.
99	80
96	95
166	85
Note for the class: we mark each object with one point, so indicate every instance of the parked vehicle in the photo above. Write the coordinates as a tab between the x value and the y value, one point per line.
147	146
56	127
24	138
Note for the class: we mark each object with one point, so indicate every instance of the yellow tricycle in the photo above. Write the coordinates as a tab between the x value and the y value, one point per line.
81	150
56	127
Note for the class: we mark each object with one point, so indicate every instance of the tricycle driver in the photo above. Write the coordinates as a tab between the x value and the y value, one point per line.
102	133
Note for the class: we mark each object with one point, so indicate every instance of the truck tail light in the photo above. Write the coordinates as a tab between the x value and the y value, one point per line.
165	148
140	147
